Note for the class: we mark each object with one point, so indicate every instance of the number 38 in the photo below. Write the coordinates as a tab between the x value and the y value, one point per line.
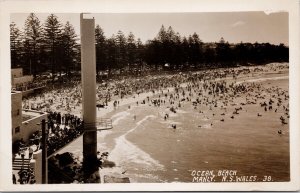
267	179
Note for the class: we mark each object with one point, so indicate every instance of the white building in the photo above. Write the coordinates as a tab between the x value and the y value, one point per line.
19	81
24	122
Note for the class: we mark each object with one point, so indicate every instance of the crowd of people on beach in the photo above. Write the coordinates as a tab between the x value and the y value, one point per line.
215	91
196	87
62	130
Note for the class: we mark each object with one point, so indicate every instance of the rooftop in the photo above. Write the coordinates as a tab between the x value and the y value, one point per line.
30	114
26	117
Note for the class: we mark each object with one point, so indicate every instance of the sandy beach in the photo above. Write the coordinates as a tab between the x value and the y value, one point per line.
229	131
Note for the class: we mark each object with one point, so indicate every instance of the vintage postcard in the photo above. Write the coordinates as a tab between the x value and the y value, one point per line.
157	96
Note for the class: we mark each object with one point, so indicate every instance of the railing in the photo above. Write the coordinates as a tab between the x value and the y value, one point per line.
101	124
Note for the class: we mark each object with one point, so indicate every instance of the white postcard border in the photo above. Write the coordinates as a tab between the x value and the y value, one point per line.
142	6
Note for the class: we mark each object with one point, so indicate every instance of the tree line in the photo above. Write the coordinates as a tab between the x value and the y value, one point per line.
49	47
54	47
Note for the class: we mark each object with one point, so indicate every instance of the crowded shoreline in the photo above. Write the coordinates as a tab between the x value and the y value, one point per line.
205	92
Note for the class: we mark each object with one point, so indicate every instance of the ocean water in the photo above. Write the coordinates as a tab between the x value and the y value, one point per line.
150	150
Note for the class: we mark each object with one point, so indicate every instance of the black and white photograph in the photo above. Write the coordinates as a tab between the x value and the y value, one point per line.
166	97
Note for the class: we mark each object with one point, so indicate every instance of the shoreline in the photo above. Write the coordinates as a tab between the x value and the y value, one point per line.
120	114
205	126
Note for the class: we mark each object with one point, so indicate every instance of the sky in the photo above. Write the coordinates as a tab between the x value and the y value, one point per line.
234	27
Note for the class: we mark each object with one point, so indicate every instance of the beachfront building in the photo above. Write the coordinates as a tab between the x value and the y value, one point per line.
24	83
16	113
18	80
24	122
